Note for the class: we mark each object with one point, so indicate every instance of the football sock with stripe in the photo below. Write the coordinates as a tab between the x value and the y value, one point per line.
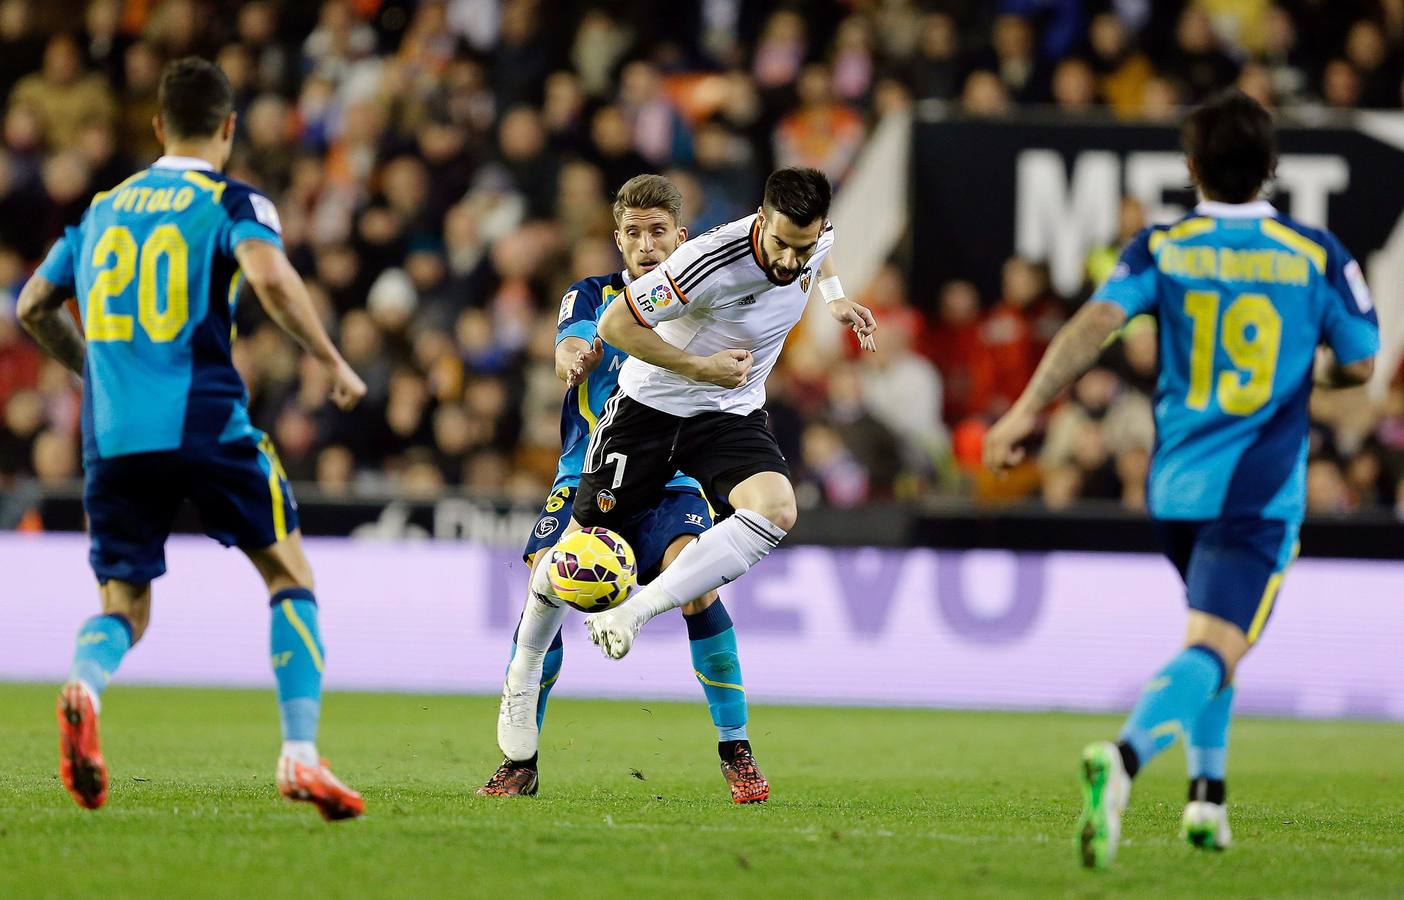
537	647
298	659
101	643
1206	752
722	554
1172	703
550	671
712	640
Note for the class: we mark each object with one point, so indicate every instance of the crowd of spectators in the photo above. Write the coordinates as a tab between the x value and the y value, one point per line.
443	172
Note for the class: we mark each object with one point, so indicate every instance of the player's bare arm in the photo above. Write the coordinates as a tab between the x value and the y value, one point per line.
854	315
727	368
42	314
1331	374
284	296
1073	351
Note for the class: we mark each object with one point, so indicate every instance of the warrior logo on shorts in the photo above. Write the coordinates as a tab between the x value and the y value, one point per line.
605	501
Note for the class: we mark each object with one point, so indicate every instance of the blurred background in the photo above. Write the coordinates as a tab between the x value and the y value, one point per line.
444	171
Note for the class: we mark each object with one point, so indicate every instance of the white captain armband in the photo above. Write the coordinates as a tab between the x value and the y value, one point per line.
831	289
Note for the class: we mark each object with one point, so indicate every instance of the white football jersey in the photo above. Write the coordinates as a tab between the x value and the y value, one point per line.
711	295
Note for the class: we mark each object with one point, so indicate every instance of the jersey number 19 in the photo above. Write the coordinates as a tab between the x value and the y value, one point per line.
1252	336
128	262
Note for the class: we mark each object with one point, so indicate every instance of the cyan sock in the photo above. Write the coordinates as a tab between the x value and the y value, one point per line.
101	643
1173	701
712	640
1207	750
297	662
550	673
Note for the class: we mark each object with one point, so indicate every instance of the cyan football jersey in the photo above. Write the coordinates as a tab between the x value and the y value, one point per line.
581	308
152	265
1243	296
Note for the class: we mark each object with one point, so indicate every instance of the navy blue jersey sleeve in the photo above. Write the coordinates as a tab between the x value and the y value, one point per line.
1350	326
580	312
252	216
1132	284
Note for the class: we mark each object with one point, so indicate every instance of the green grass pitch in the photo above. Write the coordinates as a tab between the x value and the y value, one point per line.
865	802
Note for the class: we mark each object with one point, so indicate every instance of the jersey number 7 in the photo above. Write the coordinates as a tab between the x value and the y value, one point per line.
161	326
1252	336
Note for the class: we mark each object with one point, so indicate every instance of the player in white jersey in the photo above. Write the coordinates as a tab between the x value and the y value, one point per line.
703	330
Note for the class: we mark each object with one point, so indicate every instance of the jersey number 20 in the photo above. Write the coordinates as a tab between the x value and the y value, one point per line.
1251	333
118	245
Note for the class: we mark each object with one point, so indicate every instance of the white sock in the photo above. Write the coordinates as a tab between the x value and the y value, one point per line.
723	553
92	696
304	752
540	622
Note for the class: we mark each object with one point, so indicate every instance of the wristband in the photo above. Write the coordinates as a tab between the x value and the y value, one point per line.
831	289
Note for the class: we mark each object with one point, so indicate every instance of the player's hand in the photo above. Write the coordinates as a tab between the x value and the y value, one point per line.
859	318
1002	450
585	362
727	368
347	388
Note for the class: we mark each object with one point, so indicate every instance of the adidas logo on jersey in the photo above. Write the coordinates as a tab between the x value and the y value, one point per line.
748	300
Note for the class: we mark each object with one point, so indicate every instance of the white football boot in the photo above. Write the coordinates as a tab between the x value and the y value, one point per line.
614	630
1205	825
517	734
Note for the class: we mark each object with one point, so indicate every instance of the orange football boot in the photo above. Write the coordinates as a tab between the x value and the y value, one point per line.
318	786
80	758
748	784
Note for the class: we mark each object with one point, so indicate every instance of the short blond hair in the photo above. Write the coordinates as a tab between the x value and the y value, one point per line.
648	192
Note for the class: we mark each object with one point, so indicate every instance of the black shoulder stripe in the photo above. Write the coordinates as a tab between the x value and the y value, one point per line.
702	260
737	254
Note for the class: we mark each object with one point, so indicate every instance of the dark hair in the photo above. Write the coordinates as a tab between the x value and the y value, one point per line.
648	192
803	195
195	98
1232	143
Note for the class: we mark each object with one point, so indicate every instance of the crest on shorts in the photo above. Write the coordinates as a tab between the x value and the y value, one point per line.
605	501
547	525
805	278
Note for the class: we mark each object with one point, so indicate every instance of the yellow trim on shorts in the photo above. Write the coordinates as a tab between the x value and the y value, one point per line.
1264	607
275	488
1270	597
301	628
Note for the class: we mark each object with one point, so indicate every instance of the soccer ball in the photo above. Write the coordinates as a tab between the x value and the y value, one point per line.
593	569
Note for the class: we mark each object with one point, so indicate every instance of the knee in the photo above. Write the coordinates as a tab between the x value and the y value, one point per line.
779	510
1223	638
